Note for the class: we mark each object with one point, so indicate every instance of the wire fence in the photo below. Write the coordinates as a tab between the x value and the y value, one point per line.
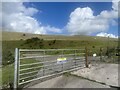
104	55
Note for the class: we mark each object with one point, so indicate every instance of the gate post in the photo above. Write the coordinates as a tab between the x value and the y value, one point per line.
16	68
86	57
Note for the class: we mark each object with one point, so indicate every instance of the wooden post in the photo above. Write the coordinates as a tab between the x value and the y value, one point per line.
108	48
86	57
100	53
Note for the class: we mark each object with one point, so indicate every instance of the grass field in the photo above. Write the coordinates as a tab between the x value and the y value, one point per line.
12	40
8	36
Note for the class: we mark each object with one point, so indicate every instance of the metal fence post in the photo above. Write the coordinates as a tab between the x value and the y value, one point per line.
62	57
86	57
16	68
75	58
43	63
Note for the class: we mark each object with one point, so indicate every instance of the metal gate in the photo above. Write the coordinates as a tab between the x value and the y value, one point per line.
34	64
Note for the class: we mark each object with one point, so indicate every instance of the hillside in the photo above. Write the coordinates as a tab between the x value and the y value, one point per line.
12	40
8	36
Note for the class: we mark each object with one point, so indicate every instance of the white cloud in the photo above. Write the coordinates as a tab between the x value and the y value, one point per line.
53	29
115	5
83	20
109	14
20	19
102	34
49	29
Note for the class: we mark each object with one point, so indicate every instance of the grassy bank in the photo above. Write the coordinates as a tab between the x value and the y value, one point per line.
7	75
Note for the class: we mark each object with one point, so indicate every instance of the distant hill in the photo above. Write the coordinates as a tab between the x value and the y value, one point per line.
8	36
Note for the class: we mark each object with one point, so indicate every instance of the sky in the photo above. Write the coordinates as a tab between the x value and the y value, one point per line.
61	18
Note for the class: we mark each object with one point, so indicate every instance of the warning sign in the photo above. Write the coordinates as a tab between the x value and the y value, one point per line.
94	55
61	60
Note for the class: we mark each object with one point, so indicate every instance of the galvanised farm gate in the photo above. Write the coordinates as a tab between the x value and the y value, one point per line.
34	64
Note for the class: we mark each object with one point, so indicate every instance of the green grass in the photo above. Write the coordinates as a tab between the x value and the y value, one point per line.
11	45
7	75
8	72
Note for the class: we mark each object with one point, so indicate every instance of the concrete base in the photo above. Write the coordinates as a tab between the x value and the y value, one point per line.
68	82
104	73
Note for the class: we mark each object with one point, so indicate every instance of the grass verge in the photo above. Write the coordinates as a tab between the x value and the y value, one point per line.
8	73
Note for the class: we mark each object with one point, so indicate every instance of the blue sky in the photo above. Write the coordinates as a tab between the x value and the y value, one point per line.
98	18
57	13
